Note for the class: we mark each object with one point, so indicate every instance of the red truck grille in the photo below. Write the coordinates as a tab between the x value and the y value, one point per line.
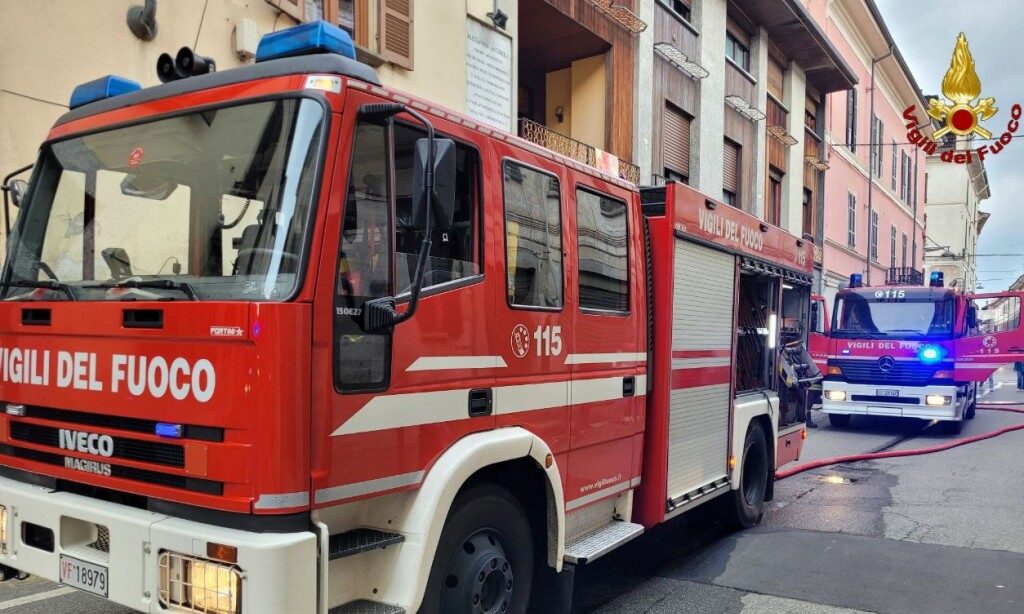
170	455
130	473
137	425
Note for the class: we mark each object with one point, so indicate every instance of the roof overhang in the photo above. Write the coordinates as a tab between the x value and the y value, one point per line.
982	218
795	32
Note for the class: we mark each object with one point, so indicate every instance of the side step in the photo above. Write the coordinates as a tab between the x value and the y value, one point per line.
365	606
361	540
597	543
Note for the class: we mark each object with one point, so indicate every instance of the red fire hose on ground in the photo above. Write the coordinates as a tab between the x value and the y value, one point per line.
835	460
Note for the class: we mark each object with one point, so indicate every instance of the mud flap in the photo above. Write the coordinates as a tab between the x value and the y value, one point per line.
993	335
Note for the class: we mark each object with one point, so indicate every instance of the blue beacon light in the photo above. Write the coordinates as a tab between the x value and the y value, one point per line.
929	354
306	39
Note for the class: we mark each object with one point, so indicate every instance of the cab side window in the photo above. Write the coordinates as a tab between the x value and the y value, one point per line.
603	258
533	237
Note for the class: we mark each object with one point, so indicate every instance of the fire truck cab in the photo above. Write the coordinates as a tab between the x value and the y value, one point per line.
916	351
281	339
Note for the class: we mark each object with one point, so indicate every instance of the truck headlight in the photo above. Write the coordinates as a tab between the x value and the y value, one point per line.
937	399
835	395
199	585
3	529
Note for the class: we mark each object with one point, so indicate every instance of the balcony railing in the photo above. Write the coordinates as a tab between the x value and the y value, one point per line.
904	276
569	147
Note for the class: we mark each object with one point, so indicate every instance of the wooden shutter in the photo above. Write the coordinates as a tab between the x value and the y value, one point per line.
731	167
293	8
396	42
675	142
776	81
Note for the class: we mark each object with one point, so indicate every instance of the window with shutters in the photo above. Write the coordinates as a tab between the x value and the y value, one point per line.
851	119
776	79
731	173
396	31
873	236
892	246
602	246
877	136
533	237
905	177
894	150
903	250
675	143
807	225
774	197
851	220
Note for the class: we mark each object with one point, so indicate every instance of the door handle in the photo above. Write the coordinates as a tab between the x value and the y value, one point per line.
628	386
481	402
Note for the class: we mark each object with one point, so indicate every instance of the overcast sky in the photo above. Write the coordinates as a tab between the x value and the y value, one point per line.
925	32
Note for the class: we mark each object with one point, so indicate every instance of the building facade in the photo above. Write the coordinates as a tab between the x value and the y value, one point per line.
877	231
955	220
737	104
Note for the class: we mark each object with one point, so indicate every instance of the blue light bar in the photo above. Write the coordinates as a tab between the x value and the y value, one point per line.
856	280
307	39
164	429
935	279
930	354
104	87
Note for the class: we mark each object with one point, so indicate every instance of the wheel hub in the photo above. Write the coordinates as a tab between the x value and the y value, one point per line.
480	578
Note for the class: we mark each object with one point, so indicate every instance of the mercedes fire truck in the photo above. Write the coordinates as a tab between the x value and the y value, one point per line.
916	351
281	339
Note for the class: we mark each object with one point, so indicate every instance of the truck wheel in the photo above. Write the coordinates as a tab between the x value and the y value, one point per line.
745	507
484	559
840	421
972	407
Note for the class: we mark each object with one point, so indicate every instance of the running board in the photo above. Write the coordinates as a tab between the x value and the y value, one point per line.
365	606
598	543
361	540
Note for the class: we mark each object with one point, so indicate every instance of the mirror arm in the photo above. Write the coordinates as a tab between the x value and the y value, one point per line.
428	224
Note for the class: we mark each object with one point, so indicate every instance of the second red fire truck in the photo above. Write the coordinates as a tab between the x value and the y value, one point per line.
916	351
281	339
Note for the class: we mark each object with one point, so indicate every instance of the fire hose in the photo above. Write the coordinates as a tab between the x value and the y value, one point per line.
835	460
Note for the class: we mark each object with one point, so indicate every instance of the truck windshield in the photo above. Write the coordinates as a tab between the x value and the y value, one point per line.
860	316
210	205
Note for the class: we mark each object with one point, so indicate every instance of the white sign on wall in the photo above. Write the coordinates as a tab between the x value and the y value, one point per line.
488	75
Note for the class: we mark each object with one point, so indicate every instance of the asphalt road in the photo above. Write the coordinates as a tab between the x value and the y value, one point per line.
937	533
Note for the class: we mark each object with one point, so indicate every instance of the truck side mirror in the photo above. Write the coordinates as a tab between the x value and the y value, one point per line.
972	317
17	189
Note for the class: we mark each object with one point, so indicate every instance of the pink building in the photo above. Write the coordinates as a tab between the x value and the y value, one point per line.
880	232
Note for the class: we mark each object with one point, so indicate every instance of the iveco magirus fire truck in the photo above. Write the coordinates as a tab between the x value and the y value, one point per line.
280	339
916	351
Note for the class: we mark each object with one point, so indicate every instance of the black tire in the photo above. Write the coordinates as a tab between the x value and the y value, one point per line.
484	559
840	421
972	407
745	506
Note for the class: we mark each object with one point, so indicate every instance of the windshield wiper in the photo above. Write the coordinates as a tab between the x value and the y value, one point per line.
159	284
48	284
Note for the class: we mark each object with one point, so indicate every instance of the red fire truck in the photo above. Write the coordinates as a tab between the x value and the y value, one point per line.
281	339
916	351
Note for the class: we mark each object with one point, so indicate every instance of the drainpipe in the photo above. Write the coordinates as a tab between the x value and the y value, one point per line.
871	167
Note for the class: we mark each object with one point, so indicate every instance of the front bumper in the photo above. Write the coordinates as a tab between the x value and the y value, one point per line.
862	399
279	570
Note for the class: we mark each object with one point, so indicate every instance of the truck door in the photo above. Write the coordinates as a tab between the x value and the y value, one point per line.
606	351
817	342
386	405
532	328
991	335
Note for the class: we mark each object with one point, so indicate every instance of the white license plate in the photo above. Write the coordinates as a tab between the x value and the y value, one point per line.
887	392
85	576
